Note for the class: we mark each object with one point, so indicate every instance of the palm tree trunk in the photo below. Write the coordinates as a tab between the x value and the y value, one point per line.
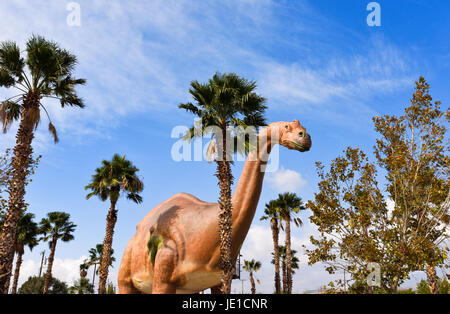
107	244
20	165
17	271
288	256
48	274
276	254
225	211
252	281
283	270
432	279
93	277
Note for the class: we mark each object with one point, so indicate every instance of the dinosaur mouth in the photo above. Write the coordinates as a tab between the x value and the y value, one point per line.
299	147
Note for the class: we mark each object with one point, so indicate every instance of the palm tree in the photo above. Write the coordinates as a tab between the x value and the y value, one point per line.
45	72
271	212
114	177
27	235
294	263
251	267
84	268
227	100
289	205
82	286
95	257
57	226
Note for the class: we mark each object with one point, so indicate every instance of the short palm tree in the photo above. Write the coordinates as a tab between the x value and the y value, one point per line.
45	72
271	212
289	205
84	269
109	181
57	226
82	286
252	267
294	263
227	100
27	235
95	257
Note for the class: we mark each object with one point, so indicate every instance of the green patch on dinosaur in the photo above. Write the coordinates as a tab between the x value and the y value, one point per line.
153	245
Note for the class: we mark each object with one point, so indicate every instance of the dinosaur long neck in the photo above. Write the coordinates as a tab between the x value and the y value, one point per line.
246	196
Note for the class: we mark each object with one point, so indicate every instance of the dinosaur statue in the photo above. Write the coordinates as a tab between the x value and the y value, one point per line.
176	246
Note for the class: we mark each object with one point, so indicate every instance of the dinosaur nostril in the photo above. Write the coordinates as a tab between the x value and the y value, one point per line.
301	134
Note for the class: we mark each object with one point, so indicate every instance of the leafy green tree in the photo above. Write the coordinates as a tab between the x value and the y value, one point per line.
352	218
251	267
413	150
82	286
351	213
35	285
271	212
110	180
424	288
45	72
227	100
57	226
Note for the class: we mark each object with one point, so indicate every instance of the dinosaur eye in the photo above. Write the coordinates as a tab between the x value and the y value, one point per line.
301	134
287	127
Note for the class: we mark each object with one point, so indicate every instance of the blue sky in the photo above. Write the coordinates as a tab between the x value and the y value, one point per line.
315	61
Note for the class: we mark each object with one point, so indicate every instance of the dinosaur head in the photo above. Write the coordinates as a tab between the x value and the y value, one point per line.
294	136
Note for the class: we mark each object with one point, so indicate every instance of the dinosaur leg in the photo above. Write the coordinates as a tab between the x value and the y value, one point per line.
127	288
124	279
163	271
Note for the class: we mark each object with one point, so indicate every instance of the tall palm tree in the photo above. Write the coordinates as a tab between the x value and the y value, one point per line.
109	181
57	226
252	267
227	100
289	205
271	212
294	264
95	258
27	235
45	72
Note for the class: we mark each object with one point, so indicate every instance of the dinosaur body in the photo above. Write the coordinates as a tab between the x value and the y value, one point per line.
176	246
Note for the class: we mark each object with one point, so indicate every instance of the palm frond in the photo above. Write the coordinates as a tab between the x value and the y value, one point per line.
11	63
52	130
9	112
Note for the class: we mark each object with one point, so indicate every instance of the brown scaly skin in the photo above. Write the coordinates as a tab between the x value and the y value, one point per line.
188	260
21	163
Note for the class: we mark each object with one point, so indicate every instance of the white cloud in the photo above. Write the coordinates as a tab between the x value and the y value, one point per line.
286	180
